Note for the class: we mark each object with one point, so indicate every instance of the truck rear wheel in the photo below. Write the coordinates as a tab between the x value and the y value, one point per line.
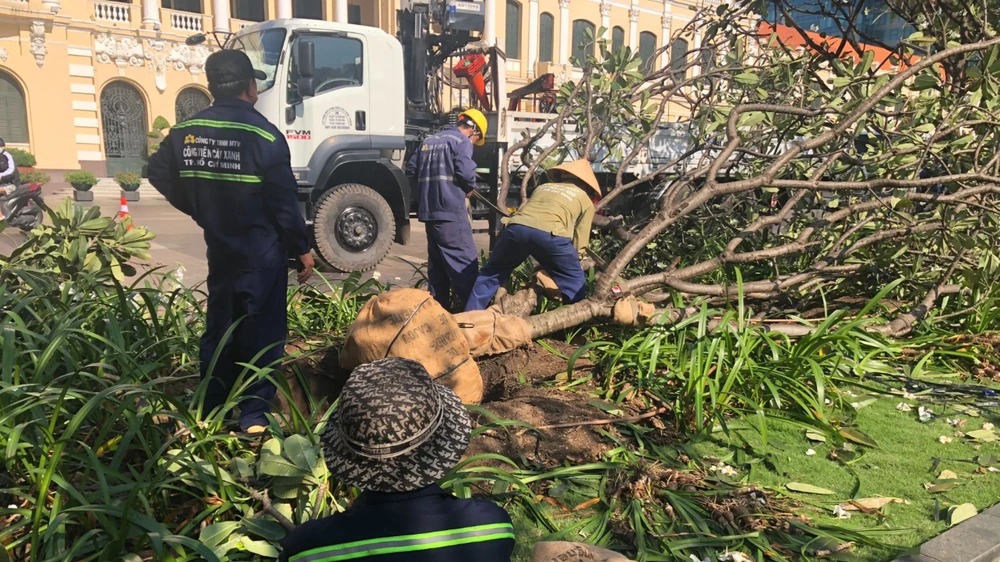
353	227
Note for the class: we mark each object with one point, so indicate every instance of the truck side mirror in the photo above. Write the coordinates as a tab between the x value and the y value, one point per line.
305	60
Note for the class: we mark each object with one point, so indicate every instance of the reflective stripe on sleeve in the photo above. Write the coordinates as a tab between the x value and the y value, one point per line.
225	125
239	178
406	543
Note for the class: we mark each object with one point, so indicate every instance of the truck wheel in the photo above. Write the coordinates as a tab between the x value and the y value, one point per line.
353	228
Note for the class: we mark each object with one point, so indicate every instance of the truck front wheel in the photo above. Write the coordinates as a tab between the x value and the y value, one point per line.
353	228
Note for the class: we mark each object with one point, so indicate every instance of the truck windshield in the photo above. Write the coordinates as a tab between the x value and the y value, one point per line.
264	49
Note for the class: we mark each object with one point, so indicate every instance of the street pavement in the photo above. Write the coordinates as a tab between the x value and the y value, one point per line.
179	241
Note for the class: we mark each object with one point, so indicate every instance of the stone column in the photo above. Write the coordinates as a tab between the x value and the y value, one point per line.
151	14
284	9
220	14
564	32
490	28
665	22
532	36
340	11
633	25
606	19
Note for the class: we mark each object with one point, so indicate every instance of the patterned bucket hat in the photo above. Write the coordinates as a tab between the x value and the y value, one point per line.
395	430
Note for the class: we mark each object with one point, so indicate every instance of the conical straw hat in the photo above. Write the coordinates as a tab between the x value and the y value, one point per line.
582	170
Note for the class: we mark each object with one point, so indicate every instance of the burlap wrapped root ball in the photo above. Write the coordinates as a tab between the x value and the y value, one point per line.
491	333
409	323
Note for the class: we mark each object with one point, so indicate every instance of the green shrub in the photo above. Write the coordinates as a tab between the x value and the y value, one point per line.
35	176
129	181
81	180
22	158
160	123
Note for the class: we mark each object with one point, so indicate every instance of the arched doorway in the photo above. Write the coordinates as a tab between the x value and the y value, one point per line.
123	122
189	102
13	111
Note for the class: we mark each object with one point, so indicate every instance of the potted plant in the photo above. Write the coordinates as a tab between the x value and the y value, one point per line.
34	176
82	182
129	182
24	160
155	136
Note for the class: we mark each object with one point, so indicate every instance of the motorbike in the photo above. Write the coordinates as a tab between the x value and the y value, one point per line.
23	207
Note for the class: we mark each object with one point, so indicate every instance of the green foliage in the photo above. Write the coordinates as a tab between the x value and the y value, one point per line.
160	123
35	176
321	313
22	158
129	181
81	179
79	243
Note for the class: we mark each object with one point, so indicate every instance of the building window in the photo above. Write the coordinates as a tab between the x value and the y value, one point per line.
183	5
678	58
617	39
707	61
546	34
583	42
647	46
354	14
189	102
13	110
513	39
249	10
338	64
308	9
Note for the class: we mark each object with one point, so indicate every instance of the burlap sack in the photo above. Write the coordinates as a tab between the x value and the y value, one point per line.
490	333
631	312
546	285
409	323
558	551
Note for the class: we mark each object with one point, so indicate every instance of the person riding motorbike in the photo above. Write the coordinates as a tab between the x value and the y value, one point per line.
10	177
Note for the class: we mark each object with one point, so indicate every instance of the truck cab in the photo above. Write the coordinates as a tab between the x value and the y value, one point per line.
336	92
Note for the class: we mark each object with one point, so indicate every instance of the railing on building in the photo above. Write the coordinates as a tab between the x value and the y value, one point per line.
185	21
114	12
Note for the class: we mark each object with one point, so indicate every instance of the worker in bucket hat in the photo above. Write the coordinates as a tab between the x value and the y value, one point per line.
394	435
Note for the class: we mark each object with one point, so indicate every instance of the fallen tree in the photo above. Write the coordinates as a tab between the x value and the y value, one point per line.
814	170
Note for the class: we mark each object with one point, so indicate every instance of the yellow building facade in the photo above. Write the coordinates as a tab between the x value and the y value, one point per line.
82	81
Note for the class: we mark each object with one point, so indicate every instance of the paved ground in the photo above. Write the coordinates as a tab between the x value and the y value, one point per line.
179	241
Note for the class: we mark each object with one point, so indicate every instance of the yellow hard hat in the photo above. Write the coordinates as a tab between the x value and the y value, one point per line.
479	119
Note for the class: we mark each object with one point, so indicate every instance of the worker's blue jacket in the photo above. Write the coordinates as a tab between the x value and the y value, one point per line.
445	173
230	170
427	525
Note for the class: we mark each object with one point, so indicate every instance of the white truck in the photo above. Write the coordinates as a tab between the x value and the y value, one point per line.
354	101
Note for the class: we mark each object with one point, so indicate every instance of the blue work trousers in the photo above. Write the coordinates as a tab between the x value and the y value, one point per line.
452	261
257	300
555	254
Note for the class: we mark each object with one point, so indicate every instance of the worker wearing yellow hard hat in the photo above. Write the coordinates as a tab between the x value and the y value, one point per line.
552	227
446	177
479	121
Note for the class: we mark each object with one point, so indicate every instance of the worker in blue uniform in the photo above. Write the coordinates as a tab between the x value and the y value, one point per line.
230	170
446	176
396	455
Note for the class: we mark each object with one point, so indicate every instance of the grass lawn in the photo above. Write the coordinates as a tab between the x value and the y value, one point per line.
899	467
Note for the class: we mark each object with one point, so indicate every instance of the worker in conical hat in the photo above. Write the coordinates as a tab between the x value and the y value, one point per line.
552	227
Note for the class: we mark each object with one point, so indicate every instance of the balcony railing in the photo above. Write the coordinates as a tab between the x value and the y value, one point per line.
188	22
115	12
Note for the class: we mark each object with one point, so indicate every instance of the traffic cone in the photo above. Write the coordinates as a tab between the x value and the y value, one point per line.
123	213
